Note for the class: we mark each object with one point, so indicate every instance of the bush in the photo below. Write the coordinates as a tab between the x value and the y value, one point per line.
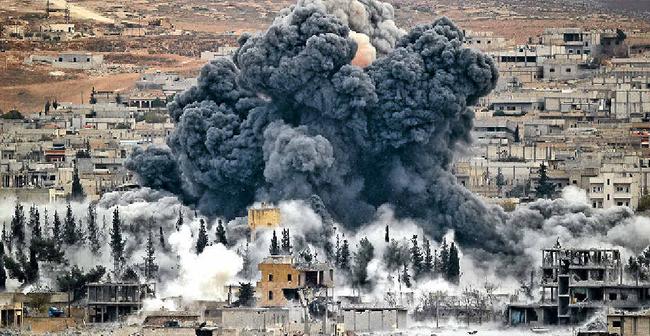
13	115
644	203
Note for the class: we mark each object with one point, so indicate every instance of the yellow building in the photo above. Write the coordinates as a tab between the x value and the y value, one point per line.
628	323
264	217
284	280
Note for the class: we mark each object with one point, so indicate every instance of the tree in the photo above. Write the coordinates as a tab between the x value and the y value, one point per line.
31	269
516	136
202	240
453	266
337	253
3	273
47	106
362	257
344	262
55	104
12	115
116	242
443	259
274	249
130	275
77	193
396	255
46	224
47	249
76	281
387	235
93	230
150	267
500	180
70	233
35	221
179	222
246	295
285	242
18	225
56	229
428	257
545	189
221	233
161	239
416	258
406	278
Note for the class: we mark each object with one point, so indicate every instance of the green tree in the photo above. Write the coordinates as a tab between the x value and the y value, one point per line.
416	258
428	257
161	239
246	295
274	249
500	180
76	280
130	275
344	262
35	221
221	234
3	273
56	229
285	245
545	189
77	193
202	240
406	278
70	233
516	136
93	229
396	255
362	257
150	266
18	225
116	241
453	266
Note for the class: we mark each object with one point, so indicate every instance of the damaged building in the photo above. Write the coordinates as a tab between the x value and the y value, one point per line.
110	302
284	280
576	283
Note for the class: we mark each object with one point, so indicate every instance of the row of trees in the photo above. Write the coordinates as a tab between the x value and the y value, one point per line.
410	261
31	240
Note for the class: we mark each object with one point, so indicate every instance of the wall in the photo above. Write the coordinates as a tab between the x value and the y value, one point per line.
44	325
359	320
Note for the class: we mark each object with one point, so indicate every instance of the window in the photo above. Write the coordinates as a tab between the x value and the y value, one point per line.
568	70
332	274
270	295
74	59
551	70
270	277
612	296
60	59
623	296
607	181
616	324
289	277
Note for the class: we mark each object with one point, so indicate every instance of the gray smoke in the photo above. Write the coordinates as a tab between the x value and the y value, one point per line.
289	117
155	167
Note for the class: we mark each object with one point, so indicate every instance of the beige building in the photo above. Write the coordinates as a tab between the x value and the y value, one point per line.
615	186
624	323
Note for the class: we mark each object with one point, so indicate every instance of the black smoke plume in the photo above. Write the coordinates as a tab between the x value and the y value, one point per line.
289	117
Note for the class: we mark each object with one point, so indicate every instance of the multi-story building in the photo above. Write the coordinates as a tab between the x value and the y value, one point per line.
575	283
285	280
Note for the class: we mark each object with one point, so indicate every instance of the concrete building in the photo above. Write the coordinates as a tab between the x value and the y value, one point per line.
615	186
83	61
624	323
110	302
369	319
11	310
284	280
575	283
263	217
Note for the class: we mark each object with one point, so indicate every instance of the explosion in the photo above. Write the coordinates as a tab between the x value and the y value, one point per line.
290	117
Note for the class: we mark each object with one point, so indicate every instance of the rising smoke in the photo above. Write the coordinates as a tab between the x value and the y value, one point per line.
334	103
289	117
